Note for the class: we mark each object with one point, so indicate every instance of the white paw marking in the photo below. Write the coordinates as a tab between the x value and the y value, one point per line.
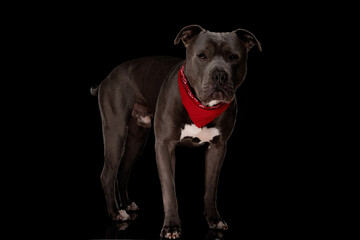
123	215
205	134
221	225
132	207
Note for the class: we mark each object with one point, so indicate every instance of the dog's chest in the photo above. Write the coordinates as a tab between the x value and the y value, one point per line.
204	134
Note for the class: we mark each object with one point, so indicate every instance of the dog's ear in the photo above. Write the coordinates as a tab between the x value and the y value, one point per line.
248	39
188	34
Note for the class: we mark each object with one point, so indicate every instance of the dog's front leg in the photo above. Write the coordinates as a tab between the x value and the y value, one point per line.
165	158
214	158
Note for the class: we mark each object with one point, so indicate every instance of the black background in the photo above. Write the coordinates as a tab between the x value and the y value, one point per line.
268	185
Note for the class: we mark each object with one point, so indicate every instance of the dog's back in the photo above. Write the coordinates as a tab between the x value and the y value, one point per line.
147	75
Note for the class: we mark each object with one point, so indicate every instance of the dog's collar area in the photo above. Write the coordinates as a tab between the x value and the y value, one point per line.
198	113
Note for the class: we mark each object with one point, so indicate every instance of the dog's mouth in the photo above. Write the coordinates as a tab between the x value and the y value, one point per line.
211	95
218	96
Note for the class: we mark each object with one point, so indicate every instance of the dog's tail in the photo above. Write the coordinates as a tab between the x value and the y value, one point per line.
94	90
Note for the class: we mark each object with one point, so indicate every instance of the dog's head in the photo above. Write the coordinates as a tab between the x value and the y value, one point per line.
215	61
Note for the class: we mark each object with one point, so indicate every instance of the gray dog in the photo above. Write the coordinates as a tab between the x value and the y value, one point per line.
192	102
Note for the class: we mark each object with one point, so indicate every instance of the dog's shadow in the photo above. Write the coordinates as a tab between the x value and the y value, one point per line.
215	235
118	230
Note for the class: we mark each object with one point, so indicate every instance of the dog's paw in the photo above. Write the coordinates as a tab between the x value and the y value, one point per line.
121	216
214	220
171	228
171	232
218	225
132	207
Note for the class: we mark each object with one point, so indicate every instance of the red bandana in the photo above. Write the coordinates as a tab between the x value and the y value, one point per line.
199	114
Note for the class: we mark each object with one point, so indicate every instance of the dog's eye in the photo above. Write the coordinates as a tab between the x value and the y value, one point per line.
233	57
202	56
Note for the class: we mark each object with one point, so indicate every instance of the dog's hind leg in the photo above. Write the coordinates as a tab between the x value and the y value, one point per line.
136	139
114	141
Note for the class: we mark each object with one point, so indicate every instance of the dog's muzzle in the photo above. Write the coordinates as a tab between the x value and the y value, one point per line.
219	88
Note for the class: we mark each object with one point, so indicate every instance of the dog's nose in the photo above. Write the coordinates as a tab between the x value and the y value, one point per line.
219	76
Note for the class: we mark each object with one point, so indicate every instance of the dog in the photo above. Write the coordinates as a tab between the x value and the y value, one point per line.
190	102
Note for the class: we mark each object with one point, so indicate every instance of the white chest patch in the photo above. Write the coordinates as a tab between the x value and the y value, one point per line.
205	134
